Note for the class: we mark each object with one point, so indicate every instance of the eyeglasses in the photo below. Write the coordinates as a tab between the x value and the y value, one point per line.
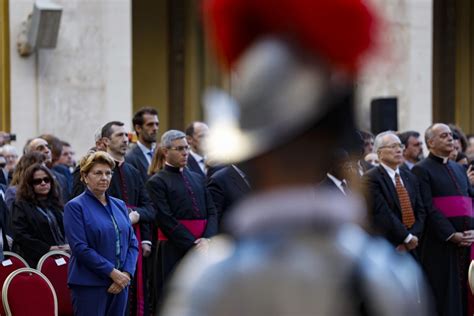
100	174
180	148
394	146
38	181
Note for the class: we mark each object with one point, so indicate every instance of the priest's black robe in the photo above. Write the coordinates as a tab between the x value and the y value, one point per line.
445	263
173	202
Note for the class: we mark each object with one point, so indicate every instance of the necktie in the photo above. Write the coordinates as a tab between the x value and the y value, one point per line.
408	217
187	184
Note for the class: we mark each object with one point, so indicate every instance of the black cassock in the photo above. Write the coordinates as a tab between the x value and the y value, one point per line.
444	188
174	203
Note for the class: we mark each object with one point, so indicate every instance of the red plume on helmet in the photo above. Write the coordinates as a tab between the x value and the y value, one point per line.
337	31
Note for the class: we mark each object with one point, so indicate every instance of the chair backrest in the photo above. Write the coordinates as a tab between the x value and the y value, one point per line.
10	263
54	265
27	292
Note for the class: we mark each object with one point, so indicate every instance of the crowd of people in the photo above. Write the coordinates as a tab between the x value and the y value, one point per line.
130	212
140	219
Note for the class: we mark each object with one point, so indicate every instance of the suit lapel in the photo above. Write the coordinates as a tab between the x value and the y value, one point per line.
390	186
141	157
238	180
194	166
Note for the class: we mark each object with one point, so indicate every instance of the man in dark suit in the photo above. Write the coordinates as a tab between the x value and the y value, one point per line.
336	177
413	152
196	133
146	125
227	186
393	196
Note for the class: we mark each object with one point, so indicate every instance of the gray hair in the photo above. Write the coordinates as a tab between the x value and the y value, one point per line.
379	142
429	134
98	133
170	136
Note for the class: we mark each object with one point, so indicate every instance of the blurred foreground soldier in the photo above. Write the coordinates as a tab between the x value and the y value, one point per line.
293	251
449	229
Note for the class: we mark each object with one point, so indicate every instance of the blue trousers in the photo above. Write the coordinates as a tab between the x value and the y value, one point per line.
95	300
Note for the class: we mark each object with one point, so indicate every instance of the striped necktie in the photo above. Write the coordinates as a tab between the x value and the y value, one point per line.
408	217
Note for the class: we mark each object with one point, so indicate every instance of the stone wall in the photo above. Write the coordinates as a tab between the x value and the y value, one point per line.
84	82
403	67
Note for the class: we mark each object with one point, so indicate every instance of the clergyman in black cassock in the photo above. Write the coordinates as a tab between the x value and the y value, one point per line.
186	215
446	194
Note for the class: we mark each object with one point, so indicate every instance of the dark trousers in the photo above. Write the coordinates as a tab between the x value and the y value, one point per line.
95	300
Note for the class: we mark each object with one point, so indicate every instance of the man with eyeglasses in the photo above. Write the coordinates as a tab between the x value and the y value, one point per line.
186	216
393	196
449	228
413	152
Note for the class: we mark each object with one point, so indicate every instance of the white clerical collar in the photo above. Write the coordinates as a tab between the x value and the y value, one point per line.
445	159
170	165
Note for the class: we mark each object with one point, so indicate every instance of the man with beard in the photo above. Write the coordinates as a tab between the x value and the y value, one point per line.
448	235
291	249
146	125
413	152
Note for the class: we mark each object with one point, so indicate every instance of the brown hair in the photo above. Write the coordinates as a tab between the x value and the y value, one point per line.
88	161
26	189
25	161
157	162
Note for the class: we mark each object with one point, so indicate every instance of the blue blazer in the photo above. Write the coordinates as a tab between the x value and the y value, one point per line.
91	235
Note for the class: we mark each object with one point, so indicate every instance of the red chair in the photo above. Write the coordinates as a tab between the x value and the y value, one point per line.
28	292
54	265
10	263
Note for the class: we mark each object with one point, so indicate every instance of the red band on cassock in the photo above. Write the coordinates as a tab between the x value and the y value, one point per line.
453	206
195	226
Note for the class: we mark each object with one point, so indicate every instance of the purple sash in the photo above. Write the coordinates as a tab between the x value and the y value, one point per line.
453	206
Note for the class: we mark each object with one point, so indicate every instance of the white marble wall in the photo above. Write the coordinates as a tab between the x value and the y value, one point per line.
86	81
403	65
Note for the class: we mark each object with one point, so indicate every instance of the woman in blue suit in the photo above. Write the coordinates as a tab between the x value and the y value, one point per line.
103	245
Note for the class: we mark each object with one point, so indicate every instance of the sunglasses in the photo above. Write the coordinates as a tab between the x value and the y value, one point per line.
41	180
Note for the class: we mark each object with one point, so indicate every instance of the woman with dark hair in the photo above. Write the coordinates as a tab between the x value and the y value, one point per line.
37	218
19	173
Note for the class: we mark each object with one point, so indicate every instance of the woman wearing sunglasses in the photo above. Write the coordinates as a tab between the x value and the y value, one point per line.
37	219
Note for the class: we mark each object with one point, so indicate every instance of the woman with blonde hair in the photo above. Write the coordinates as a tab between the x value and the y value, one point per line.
103	244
